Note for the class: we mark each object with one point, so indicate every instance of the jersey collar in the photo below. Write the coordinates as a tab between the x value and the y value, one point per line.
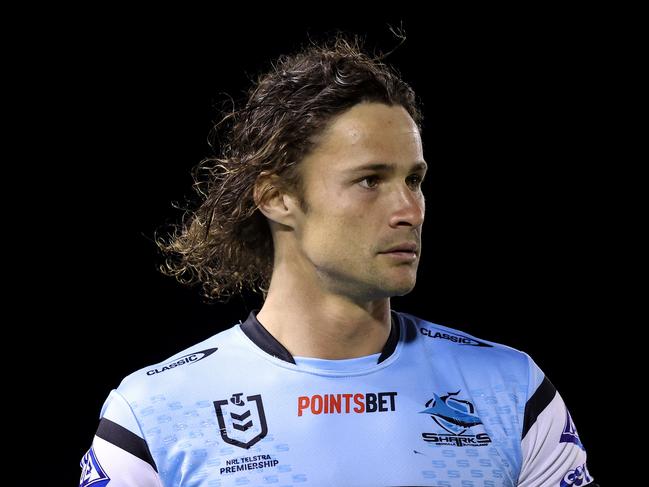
261	337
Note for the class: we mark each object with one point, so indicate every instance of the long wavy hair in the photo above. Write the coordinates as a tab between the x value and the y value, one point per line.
225	243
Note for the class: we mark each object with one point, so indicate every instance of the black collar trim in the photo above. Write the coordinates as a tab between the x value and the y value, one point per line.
261	337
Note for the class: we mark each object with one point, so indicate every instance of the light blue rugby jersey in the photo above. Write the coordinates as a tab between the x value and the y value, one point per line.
437	407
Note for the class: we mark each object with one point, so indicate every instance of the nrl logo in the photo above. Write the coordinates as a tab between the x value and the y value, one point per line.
242	423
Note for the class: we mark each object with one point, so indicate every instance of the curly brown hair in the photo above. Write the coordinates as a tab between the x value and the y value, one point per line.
226	243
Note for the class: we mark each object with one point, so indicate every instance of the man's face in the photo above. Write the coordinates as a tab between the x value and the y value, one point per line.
357	214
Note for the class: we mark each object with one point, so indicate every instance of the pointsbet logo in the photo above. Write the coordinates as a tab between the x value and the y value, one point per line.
349	403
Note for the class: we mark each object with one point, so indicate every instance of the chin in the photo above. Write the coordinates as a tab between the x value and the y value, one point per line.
400	290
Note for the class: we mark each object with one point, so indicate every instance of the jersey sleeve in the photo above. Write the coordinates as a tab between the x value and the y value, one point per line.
119	455
552	451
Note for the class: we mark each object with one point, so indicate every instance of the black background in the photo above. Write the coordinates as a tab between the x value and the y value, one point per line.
512	125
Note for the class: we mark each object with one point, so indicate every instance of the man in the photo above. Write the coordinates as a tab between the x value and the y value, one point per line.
316	197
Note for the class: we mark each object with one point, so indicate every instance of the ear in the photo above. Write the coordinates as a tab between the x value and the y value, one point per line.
272	201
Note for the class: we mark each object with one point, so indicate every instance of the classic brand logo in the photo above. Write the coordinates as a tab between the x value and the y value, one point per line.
242	423
455	416
453	337
186	359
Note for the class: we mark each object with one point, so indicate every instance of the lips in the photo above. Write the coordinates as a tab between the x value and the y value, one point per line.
409	247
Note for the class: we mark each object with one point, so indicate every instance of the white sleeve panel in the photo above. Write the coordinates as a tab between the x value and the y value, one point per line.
106	464
547	460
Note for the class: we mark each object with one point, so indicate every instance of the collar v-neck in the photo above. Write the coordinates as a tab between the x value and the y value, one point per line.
261	337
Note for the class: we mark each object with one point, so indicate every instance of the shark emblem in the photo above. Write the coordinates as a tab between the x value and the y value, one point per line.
458	412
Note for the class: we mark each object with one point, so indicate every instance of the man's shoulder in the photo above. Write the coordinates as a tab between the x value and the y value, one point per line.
190	364
445	341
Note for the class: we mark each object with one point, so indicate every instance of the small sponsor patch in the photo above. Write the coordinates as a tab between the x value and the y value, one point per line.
570	434
92	474
576	477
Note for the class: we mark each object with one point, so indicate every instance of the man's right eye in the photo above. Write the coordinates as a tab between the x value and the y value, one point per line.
369	179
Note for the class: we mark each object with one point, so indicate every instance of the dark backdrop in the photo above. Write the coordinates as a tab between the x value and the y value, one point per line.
511	130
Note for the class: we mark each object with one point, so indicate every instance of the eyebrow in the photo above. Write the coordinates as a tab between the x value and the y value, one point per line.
418	166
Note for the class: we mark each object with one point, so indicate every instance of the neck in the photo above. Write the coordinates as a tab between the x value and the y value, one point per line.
310	322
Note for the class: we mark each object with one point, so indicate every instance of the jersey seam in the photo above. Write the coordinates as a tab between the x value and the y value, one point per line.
137	421
522	420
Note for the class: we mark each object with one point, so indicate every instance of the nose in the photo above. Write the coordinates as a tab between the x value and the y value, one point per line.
409	207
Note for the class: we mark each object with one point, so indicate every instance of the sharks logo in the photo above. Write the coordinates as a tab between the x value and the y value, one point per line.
92	475
455	416
570	434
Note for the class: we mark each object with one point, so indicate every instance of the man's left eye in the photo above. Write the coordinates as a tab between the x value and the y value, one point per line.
418	179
